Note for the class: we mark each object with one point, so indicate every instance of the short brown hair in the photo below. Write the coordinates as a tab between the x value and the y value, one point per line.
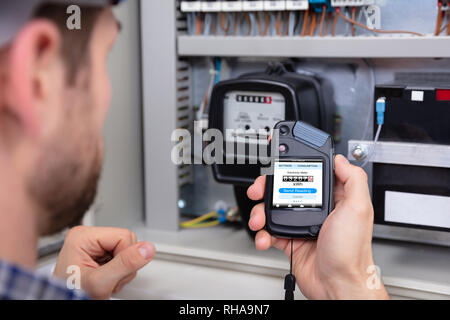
75	43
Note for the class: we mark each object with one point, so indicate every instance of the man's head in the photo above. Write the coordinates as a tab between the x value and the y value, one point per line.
54	95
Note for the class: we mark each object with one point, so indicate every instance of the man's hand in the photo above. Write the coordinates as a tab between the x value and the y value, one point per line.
335	265
108	258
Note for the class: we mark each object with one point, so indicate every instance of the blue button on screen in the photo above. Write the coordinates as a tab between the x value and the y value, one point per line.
298	190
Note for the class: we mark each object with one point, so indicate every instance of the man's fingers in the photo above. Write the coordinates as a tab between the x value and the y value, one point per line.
257	217
124	282
263	240
97	240
353	178
124	264
256	190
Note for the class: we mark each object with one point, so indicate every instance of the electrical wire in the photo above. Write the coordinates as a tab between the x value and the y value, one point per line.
327	25
200	219
225	22
198	24
437	30
298	22
354	19
448	23
374	29
266	23
277	24
305	23
322	20
201	225
333	28
235	23
374	146
292	23
258	23
190	20
249	23
208	22
313	25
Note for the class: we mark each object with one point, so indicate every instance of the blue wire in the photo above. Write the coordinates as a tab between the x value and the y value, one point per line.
218	63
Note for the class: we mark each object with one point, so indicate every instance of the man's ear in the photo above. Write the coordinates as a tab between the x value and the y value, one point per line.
32	58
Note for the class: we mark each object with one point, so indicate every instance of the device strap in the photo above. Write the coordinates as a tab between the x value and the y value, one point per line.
289	280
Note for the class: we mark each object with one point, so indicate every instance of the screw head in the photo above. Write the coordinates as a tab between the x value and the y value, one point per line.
359	152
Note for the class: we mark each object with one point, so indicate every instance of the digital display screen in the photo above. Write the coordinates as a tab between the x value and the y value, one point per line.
298	183
249	113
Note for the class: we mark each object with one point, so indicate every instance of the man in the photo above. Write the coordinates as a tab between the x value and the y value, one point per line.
54	95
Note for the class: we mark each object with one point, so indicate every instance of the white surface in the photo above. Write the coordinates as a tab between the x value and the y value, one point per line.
221	263
163	279
419	209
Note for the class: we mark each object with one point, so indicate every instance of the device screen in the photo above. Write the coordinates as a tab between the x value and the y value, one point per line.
298	183
251	112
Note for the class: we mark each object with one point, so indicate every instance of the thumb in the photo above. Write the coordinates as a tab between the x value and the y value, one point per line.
125	263
353	178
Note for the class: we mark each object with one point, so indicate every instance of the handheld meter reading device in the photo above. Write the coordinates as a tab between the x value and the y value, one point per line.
299	194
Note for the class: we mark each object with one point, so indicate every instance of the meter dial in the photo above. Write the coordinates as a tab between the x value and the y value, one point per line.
248	114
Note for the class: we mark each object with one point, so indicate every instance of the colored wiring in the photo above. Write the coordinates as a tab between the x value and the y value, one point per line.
190	21
277	24
327	25
258	23
198	24
437	30
354	19
216	68
374	146
322	20
249	23
333	28
208	23
202	221
225	23
313	25
236	21
375	30
266	22
292	22
205	221
305	23
448	23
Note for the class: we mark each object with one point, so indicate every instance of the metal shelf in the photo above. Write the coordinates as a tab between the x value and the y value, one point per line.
326	47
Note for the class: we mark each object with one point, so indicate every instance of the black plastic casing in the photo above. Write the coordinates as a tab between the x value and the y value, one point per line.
301	222
304	101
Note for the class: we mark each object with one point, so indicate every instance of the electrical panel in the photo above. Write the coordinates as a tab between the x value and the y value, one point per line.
223	40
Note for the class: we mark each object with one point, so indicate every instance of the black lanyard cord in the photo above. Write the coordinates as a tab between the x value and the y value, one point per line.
289	280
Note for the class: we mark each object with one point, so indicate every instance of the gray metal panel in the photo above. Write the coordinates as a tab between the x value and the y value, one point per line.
120	200
159	91
441	238
359	47
414	154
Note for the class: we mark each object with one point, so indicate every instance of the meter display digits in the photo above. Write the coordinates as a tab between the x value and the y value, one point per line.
248	113
298	184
